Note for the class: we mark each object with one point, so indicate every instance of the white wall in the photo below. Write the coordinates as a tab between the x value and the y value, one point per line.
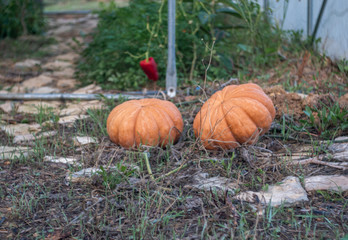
333	28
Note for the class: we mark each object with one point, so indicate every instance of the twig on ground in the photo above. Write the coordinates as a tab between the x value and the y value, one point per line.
317	160
231	80
171	172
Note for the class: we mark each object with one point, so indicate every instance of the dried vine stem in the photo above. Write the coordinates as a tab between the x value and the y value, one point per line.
317	160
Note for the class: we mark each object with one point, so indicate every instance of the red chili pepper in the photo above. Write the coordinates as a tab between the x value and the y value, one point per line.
149	67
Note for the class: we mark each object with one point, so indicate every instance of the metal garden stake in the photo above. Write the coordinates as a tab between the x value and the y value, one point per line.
171	80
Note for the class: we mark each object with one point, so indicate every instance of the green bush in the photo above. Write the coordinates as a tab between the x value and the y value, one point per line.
241	37
19	17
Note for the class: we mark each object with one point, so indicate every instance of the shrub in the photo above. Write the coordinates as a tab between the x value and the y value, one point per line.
241	35
19	17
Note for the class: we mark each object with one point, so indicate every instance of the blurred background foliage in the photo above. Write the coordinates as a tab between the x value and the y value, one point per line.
237	33
21	17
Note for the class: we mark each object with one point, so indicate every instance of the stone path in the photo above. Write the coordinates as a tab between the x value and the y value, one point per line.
55	74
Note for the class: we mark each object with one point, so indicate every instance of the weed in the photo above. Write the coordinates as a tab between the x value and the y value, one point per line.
118	174
343	66
45	114
327	121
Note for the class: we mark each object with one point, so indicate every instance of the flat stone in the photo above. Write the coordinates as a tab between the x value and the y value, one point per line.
287	192
23	138
69	120
92	88
64	160
340	156
65	73
56	48
66	83
339	147
326	182
81	108
62	30
70	57
7	106
339	150
37	82
34	107
202	182
4	91
56	65
45	90
8	153
20	129
83	175
79	141
29	138
18	89
26	64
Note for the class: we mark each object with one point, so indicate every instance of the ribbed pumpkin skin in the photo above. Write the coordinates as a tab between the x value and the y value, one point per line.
150	122
238	114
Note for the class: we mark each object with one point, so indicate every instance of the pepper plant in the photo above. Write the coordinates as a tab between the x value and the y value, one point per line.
125	34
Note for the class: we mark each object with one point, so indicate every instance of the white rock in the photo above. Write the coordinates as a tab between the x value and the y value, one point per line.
37	82
65	73
64	160
70	57
20	129
62	30
56	65
7	153
202	182
289	191
55	48
83	175
69	120
34	107
46	90
18	89
23	138
72	110
340	156
324	182
339	150
7	106
79	141
27	64
338	147
81	108
92	88
66	83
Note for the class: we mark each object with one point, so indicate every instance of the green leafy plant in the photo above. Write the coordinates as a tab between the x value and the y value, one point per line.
19	17
343	66
242	38
116	176
326	121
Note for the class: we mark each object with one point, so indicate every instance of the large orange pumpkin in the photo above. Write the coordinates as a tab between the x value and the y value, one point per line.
151	122
238	114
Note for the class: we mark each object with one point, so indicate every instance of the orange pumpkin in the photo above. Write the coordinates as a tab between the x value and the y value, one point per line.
238	114
150	122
